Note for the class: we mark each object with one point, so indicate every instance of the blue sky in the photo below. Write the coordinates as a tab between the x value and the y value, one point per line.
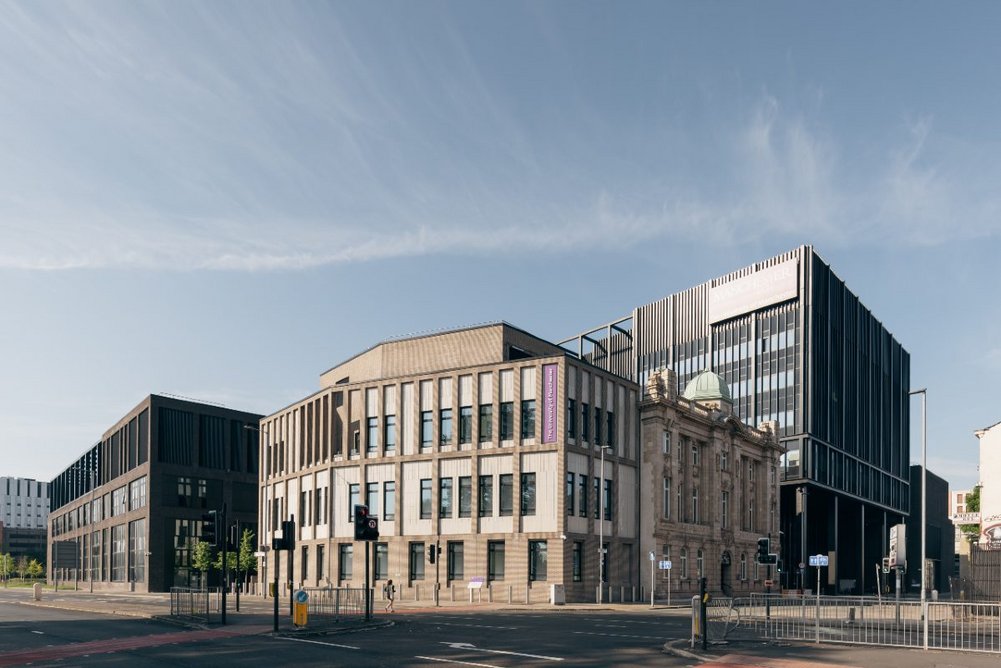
222	200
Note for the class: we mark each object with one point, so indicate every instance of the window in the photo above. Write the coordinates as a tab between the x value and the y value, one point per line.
390	433
304	560
608	500
118	501
506	494
695	454
416	561
319	563
344	561
466	424
666	443
372	435
495	560
389	500
537	559
571	488
372	498
699	562
381	561
426	499
724	509
683	559
486	422
610	427
666	509
743	566
304	508
695	505
445	425
578	558
750	516
506	420
724	461
528	418
571	418
137	493
597	497
320	505
427	427
355	439
582	496
585	420
354	490
118	556
445	497
455	556
137	550
465	496
597	425
486	496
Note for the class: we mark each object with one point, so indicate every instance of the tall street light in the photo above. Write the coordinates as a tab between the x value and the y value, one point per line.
601	527
924	475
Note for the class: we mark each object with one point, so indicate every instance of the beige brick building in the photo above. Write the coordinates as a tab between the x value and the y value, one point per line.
485	442
709	488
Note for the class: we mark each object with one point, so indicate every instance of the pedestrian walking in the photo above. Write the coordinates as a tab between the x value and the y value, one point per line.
389	592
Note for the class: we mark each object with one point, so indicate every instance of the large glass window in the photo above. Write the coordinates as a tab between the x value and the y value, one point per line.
354	490
119	501
571	487
372	435
578	560
137	493
320	564
495	560
426	499
137	550
528	493
465	496
372	498
445	425
528	418
506	494
585	421
597	425
486	422
582	496
381	561
538	556
456	560
571	418
427	428
345	560
390	433
118	552
416	561
610	426
486	499
506	420
389	500
445	497
465	424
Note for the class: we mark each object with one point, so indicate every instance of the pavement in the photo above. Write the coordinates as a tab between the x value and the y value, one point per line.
256	617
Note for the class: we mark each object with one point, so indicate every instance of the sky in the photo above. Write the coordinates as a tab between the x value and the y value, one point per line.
221	200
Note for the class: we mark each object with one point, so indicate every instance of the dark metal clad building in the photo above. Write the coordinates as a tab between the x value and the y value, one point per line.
796	346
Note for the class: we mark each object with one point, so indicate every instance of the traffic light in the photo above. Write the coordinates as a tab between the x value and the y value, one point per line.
288	535
432	553
763	550
366	526
210	528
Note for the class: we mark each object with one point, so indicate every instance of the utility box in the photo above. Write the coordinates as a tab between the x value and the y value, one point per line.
557	594
300	609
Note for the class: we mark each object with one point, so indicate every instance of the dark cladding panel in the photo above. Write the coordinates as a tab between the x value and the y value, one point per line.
176	437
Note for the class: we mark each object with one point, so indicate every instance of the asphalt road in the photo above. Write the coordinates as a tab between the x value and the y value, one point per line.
47	636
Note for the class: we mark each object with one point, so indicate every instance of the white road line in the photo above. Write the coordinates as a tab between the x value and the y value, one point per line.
470	646
473	626
618	635
317	642
41	633
464	663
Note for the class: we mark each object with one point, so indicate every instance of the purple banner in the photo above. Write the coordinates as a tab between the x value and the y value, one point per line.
549	412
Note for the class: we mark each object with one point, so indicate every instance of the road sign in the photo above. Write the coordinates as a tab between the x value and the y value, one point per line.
769	583
819	560
664	565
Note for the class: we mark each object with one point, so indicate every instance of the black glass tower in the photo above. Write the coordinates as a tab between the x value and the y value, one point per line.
798	349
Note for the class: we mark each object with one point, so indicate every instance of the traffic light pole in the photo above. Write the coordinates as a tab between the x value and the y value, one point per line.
277	554
225	563
437	573
368	599
291	549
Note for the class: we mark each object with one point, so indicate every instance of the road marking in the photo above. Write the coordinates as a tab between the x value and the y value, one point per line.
41	633
474	626
470	646
464	663
618	635
318	642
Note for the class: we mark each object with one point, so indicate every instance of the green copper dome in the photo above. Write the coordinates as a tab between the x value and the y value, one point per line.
707	386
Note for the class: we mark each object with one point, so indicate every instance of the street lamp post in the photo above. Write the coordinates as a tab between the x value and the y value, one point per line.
601	528
924	504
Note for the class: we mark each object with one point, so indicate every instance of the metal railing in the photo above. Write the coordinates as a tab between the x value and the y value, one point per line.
195	604
332	604
974	627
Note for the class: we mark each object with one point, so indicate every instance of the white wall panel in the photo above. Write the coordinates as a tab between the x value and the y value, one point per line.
465	390
548	486
528	383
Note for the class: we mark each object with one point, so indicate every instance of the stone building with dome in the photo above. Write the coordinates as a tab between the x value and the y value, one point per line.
709	487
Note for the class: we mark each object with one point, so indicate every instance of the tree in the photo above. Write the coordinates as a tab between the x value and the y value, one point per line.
6	566
201	556
35	569
22	566
248	562
972	506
